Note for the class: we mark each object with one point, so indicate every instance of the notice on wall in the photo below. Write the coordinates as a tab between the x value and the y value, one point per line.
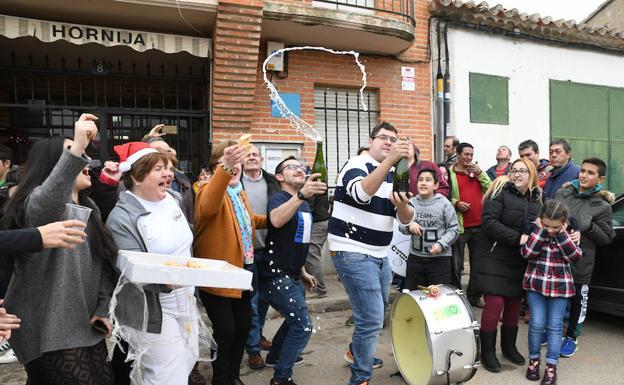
408	81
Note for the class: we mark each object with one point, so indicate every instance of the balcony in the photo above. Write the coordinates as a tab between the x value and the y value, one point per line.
146	15
367	26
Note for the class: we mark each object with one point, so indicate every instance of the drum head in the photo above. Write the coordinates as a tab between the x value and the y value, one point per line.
410	341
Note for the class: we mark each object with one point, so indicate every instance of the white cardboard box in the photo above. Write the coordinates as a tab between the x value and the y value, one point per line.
142	267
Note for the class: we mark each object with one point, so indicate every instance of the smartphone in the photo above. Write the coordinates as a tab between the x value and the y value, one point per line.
100	327
169	130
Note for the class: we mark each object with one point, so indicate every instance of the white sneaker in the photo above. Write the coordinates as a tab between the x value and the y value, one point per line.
8	357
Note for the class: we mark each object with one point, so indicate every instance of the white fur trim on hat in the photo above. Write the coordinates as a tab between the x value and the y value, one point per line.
125	166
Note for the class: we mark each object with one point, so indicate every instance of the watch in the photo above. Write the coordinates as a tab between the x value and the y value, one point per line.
301	196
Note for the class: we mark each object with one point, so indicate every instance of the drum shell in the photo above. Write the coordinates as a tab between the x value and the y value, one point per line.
423	335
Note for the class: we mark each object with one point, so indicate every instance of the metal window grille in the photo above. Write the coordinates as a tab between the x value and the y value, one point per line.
343	124
41	98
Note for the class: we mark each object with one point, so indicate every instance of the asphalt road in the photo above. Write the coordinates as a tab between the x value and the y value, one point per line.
599	360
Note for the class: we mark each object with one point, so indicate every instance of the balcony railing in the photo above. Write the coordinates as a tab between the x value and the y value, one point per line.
403	9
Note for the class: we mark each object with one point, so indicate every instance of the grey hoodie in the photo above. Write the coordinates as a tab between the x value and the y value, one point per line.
437	216
128	233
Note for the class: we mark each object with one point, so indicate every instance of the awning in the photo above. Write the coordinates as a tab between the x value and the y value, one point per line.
49	31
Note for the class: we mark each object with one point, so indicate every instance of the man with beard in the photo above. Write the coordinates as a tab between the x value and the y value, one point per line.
282	272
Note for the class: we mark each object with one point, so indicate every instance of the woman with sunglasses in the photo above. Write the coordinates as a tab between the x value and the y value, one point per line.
224	229
510	204
61	295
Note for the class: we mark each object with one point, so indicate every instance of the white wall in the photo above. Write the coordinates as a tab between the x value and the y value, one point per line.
529	65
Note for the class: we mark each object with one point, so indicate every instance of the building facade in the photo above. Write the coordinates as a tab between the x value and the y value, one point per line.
516	77
197	64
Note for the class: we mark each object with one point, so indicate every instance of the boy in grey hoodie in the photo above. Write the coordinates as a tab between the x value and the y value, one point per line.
434	230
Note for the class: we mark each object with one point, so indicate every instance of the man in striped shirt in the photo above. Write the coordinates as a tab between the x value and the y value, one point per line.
360	230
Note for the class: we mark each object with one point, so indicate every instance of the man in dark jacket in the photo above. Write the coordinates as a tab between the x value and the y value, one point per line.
563	169
503	157
319	206
450	150
259	185
590	205
530	150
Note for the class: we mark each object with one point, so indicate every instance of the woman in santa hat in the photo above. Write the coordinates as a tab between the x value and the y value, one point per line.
148	218
61	295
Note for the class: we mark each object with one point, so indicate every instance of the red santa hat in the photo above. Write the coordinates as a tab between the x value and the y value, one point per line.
130	152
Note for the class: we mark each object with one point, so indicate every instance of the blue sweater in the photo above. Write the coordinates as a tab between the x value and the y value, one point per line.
558	177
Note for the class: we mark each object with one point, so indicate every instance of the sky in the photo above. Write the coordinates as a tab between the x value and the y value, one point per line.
557	9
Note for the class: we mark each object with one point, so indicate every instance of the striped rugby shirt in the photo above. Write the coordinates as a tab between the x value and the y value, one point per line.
548	271
361	223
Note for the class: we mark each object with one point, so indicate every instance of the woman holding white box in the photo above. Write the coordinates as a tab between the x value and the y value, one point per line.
148	218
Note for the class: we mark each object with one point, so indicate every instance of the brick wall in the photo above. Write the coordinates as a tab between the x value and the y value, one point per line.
236	42
409	111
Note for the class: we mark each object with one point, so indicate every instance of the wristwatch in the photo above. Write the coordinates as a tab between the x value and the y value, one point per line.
301	196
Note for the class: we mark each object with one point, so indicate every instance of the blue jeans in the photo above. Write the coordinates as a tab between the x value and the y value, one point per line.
546	314
287	296
259	310
367	281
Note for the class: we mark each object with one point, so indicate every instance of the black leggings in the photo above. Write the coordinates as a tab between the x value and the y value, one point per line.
231	322
76	366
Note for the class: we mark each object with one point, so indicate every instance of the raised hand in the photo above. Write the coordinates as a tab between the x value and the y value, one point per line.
232	156
313	186
85	131
399	149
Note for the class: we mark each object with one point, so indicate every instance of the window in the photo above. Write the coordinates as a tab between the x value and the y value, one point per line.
343	124
618	215
273	153
489	99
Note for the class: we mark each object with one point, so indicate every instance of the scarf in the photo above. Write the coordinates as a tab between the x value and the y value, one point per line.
244	222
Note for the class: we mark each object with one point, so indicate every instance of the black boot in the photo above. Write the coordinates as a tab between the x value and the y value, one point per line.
488	351
508	345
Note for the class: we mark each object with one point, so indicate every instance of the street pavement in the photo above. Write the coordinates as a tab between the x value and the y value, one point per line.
599	360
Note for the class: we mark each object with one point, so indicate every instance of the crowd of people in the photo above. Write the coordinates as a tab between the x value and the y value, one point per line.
530	227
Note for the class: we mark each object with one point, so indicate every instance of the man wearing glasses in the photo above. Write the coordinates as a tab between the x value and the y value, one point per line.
282	270
360	230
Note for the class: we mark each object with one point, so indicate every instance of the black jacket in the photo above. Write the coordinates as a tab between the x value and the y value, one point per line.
21	241
187	195
595	218
498	267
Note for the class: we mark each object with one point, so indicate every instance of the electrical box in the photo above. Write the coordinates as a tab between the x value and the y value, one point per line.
277	62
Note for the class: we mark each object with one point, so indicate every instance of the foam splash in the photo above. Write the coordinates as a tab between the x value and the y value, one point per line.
299	124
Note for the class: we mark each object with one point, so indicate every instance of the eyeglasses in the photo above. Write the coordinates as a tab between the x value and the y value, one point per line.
519	171
385	138
293	167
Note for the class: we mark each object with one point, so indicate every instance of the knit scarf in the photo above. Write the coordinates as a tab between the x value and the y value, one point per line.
244	221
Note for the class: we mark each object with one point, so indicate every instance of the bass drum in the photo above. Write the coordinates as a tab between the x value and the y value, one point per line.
435	340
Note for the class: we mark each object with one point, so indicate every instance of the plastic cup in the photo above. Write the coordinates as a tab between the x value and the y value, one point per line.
78	212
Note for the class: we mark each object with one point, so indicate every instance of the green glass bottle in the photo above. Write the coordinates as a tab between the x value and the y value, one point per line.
400	179
319	163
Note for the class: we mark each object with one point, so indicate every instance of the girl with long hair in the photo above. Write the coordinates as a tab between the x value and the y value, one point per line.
61	295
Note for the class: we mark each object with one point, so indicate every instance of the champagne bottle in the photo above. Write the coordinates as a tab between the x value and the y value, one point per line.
319	163
400	180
